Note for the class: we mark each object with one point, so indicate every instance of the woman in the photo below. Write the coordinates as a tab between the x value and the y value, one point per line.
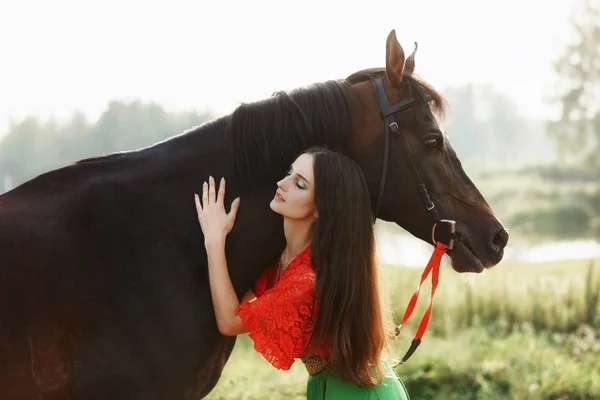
321	301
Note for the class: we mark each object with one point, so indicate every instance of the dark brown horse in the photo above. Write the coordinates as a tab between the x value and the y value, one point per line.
103	277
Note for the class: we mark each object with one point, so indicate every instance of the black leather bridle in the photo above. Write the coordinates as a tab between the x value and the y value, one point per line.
391	129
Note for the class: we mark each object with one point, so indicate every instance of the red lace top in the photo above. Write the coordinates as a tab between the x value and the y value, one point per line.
281	318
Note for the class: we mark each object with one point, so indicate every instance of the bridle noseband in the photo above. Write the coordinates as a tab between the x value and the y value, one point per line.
443	230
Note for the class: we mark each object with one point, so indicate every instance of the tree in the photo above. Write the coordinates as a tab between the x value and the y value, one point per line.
578	95
577	131
21	149
485	127
34	146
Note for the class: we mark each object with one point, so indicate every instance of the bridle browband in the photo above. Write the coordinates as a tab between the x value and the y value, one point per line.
443	230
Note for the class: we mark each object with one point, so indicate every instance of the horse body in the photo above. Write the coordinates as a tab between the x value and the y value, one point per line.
104	290
103	284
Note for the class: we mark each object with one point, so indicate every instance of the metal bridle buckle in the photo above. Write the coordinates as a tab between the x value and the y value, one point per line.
444	231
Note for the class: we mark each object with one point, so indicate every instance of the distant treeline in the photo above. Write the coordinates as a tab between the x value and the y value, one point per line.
34	146
545	201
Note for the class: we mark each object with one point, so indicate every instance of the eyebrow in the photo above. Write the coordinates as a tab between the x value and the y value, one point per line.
305	180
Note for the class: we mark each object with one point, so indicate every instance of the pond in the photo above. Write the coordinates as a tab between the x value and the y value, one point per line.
406	250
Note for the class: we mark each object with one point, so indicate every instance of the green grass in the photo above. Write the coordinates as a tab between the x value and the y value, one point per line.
555	296
519	331
522	365
470	365
249	376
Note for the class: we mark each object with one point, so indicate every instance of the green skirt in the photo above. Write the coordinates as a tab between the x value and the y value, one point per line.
323	386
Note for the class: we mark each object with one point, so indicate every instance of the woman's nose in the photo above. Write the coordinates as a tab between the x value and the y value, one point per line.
282	184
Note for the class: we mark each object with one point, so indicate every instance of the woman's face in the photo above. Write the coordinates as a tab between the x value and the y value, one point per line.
295	195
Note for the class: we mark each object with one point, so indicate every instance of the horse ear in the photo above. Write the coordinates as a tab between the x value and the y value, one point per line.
394	60
410	61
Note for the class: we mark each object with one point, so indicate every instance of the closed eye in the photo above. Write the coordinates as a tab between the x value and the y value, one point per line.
301	184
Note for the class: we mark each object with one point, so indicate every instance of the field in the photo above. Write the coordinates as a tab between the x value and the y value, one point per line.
518	331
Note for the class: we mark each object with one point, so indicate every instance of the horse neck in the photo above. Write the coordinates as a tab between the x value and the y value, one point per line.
368	124
191	146
190	156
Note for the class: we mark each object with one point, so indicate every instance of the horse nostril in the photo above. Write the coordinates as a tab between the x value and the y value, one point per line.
500	240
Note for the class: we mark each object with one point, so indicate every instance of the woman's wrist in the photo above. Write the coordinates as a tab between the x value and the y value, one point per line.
214	243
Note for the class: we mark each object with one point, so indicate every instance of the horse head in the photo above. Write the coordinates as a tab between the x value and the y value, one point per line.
416	155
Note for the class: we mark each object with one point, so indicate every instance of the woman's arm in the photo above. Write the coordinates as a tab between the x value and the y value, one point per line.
224	298
216	224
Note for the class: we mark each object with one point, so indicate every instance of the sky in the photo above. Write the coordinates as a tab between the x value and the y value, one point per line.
63	55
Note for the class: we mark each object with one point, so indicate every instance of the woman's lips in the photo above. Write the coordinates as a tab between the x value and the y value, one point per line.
279	197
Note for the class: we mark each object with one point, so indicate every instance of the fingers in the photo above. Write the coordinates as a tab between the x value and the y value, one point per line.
205	194
209	192
198	209
211	189
221	195
198	205
235	205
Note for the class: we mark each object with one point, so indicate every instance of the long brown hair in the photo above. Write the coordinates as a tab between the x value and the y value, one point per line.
352	313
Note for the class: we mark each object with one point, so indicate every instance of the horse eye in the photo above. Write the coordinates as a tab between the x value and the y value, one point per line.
432	143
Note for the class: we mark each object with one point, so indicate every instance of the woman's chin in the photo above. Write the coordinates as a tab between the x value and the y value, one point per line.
275	206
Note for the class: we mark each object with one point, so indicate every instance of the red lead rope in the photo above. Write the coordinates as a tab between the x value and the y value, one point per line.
433	265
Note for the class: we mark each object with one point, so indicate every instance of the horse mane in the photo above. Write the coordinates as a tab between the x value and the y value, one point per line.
416	86
265	136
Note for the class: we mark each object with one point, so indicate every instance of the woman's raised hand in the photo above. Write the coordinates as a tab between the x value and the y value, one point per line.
214	221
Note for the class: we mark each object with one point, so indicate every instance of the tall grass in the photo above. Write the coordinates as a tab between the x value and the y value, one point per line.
557	297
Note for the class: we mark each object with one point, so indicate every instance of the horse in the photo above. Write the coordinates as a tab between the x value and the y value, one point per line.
104	290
